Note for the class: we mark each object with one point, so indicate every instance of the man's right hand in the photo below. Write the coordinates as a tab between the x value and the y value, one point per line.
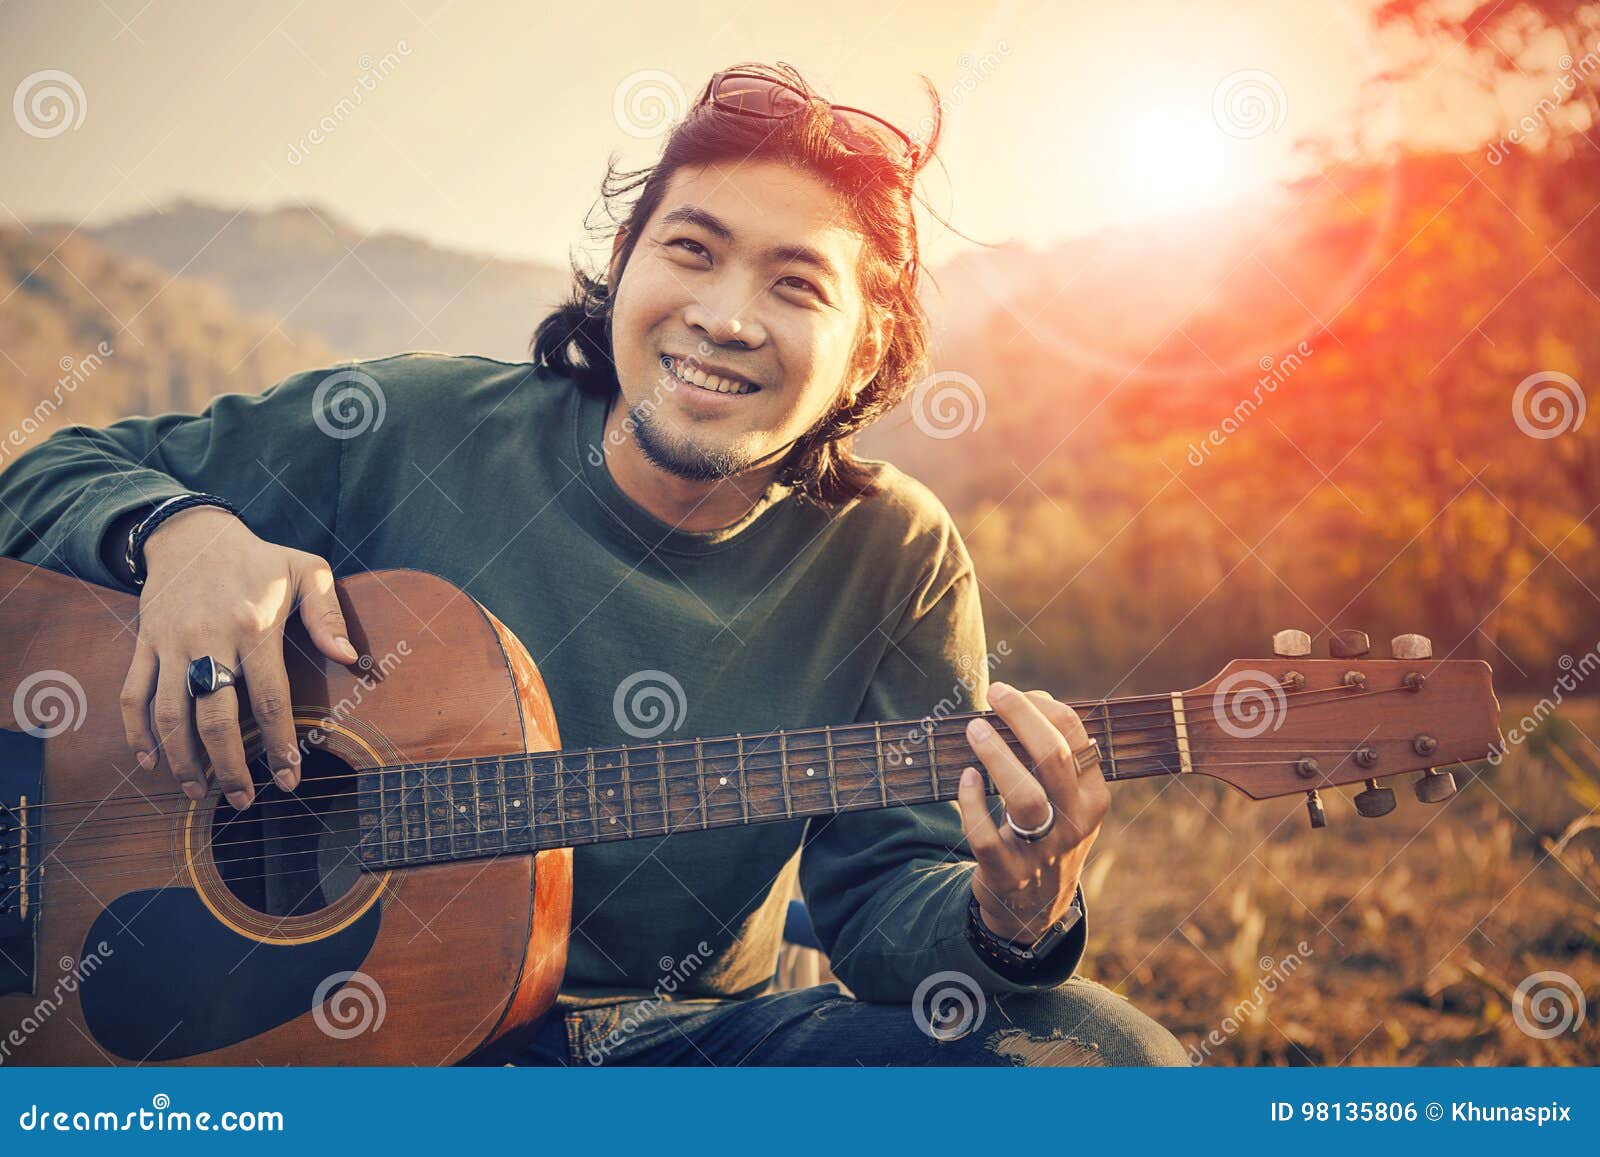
214	588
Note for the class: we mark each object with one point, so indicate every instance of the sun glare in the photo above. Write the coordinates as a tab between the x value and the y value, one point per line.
1173	162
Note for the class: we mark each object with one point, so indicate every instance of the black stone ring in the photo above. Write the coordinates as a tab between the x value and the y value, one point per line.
207	675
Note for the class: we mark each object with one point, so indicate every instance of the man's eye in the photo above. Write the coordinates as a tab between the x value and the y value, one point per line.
802	283
690	245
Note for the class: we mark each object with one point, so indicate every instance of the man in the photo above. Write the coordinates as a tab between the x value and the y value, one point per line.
666	494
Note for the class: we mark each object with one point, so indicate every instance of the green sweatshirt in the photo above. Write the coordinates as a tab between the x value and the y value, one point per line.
491	475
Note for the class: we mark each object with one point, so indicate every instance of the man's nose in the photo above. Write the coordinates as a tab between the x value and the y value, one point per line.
725	326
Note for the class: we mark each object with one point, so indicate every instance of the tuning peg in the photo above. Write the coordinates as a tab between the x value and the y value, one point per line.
1411	647
1375	801
1348	644
1291	644
1319	818
1434	786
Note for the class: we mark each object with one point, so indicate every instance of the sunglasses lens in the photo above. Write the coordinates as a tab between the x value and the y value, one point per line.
868	134
754	96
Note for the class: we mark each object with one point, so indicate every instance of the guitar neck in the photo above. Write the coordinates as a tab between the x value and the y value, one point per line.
422	813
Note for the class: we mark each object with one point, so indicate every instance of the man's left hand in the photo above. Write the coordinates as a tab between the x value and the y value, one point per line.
1023	887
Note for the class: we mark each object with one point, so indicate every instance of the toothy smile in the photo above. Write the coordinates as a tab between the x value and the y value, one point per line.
694	376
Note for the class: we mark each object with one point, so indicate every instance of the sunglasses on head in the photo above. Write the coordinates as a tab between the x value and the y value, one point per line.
751	94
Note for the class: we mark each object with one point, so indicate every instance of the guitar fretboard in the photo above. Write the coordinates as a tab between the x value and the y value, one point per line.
411	814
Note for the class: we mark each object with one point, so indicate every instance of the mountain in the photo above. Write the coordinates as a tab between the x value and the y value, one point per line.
89	337
365	295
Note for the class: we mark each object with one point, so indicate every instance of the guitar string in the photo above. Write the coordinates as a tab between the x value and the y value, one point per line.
599	834
469	762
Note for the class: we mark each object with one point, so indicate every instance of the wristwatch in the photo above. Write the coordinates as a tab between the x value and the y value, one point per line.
1020	956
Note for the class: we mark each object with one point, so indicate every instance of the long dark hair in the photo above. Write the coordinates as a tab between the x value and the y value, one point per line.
575	339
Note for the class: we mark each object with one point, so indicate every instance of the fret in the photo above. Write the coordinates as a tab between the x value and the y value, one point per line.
594	799
1109	748
883	771
833	785
744	787
661	777
518	810
933	762
700	784
627	795
393	820
560	780
421	807
783	773
463	810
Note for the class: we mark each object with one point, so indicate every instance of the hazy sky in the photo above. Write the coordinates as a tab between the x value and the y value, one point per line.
486	125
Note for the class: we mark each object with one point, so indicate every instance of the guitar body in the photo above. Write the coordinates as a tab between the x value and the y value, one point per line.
162	930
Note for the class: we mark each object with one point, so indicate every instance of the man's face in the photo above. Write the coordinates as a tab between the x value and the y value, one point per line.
749	269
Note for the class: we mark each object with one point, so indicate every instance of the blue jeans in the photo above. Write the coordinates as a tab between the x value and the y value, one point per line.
1078	1023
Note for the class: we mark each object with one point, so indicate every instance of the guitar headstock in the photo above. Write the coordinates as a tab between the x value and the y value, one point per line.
1274	727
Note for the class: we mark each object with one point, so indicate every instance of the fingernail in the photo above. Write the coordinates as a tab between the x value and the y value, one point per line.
146	760
980	729
969	777
239	800
195	791
346	649
284	778
999	690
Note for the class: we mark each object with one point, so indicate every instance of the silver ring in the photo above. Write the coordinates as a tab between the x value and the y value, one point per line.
1086	757
1032	835
207	675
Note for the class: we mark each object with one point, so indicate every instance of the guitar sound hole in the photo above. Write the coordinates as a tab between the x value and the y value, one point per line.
290	853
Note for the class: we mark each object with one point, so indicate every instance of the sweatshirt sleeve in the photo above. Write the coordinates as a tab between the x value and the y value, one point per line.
276	456
888	890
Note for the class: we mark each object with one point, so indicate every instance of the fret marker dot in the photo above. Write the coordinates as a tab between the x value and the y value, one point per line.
462	809
811	771
611	791
516	803
909	761
722	780
613	819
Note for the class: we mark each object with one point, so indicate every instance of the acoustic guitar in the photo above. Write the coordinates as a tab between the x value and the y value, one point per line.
409	903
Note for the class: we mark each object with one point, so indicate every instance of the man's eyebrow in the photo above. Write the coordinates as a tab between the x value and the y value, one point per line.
714	225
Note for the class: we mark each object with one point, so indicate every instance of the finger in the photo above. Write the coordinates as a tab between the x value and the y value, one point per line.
267	681
1063	717
174	726
1024	795
1049	746
320	611
137	691
982	835
216	722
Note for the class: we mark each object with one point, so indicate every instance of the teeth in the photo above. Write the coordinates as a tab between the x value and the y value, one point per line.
698	377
